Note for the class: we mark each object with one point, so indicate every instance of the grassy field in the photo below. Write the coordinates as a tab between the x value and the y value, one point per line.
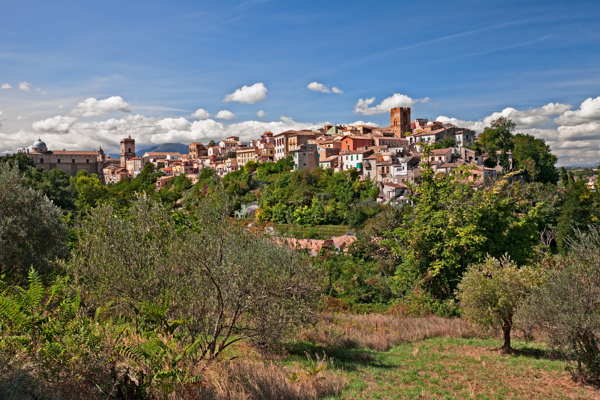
443	368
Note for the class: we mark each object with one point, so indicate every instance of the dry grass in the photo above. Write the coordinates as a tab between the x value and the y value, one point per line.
382	332
250	380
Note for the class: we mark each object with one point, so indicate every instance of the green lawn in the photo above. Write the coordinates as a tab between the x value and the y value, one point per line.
447	368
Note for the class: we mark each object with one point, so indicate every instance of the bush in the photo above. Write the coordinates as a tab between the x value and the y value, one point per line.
31	229
214	283
567	306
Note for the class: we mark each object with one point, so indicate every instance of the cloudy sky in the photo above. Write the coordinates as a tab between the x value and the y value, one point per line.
85	74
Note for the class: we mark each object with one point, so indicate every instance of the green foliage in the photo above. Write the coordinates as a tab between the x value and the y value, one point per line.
497	141
444	143
529	153
452	225
567	305
580	208
491	293
534	156
89	191
317	197
251	290
53	183
42	328
174	190
32	232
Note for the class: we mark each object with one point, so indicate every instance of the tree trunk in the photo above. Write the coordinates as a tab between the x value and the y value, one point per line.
506	328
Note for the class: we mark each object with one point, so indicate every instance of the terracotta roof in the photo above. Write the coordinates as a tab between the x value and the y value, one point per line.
347	152
330	158
161	153
298	133
74	153
395	185
439	152
362	137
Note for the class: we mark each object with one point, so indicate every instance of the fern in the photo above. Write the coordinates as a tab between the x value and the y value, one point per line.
10	313
36	290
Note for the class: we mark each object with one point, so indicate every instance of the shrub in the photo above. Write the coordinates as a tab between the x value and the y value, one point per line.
215	283
31	229
567	306
490	293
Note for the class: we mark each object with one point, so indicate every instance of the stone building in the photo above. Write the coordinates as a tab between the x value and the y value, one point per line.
197	150
306	157
127	150
400	120
68	161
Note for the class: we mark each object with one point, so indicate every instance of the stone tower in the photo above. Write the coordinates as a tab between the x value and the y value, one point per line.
400	120
127	150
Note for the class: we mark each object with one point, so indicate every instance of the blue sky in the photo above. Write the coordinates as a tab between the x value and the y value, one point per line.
463	59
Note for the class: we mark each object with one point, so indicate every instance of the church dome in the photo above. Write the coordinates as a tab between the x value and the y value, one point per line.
39	146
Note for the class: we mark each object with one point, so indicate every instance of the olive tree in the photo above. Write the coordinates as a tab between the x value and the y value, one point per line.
490	294
32	232
194	273
567	306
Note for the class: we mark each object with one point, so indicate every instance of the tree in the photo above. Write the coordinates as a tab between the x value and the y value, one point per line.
219	283
452	225
567	306
534	156
491	293
89	190
53	183
564	176
32	232
577	212
498	139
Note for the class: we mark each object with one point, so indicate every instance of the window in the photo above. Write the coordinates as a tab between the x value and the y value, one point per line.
87	161
41	160
58	161
73	161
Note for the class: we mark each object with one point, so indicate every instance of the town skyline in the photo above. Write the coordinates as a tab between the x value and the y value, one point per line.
200	71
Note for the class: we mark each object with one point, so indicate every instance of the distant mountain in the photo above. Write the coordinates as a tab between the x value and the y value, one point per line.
170	147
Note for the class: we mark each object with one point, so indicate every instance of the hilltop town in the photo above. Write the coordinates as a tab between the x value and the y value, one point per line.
390	156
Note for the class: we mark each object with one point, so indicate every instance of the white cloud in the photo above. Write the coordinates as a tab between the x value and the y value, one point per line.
25	86
525	119
322	88
583	131
364	123
535	117
364	106
225	114
6	86
261	114
58	124
589	110
477	126
174	123
92	107
248	94
201	113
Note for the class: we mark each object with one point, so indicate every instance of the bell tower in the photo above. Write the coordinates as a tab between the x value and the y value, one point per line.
127	150
400	120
